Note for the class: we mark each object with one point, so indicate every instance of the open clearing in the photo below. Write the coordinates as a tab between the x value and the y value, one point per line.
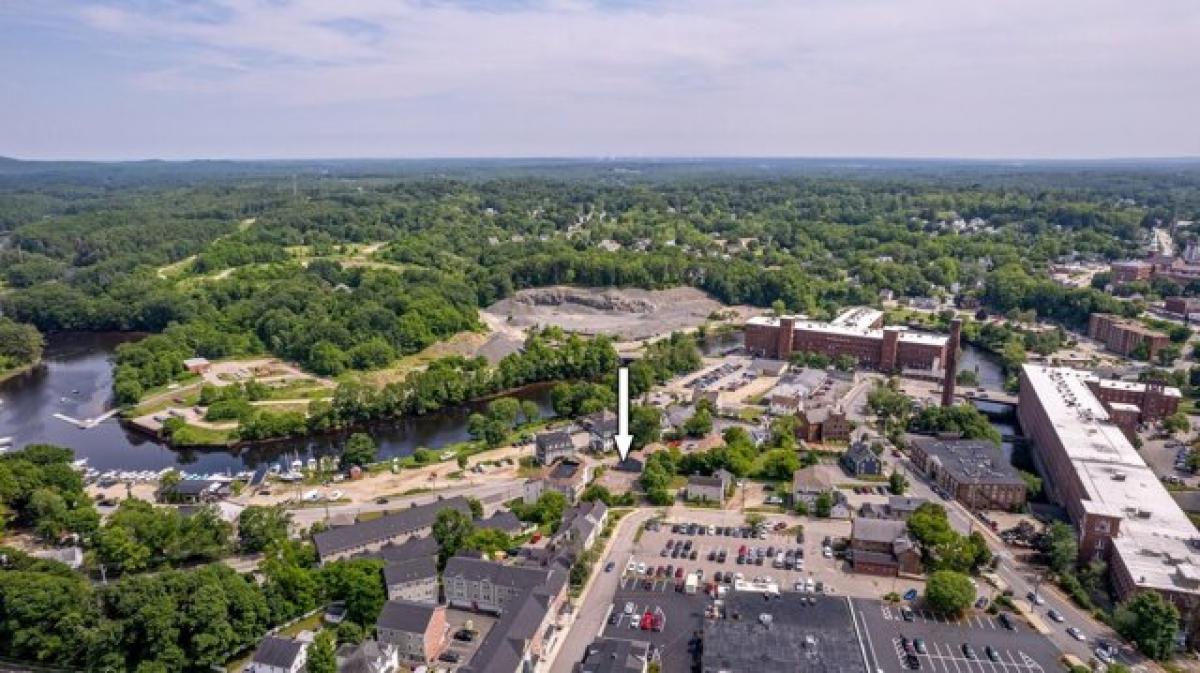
628	314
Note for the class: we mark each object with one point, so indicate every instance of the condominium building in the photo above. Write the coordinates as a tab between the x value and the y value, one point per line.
855	332
368	537
1121	510
1130	271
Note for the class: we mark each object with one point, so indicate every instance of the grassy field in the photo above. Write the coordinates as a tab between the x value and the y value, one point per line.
191	435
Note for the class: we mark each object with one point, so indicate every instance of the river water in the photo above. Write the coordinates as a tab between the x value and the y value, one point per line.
76	380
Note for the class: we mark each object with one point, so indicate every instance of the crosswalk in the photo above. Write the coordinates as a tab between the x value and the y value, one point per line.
971	620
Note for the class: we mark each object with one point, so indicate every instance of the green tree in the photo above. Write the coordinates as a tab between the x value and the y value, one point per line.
1177	422
779	465
349	633
360	450
645	424
476	507
260	527
823	505
530	412
1150	622
948	592
451	530
1062	547
897	483
321	654
700	424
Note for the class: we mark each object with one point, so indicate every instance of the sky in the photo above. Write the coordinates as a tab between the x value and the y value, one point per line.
241	79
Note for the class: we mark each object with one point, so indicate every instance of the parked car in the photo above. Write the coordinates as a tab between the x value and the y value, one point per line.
608	567
910	595
907	614
968	651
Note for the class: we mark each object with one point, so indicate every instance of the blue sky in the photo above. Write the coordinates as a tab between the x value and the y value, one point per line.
445	78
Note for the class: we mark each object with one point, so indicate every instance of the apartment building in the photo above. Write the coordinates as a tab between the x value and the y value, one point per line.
418	631
1121	511
1125	336
392	529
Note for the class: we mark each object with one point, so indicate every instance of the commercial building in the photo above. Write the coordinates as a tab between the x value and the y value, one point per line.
1133	402
1121	510
553	446
416	630
974	472
568	477
1125	336
883	547
897	507
761	633
371	536
706	488
853	333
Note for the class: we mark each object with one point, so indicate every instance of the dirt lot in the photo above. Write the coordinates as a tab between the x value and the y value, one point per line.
628	314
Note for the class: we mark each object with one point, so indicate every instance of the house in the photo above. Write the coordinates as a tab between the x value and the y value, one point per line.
602	430
822	424
416	630
371	536
785	404
193	491
897	507
631	465
197	365
860	460
705	489
808	483
415	580
581	527
370	656
504	521
278	655
615	655
883	547
552	446
768	366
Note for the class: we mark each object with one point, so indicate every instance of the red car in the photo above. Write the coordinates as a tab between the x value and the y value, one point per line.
679	572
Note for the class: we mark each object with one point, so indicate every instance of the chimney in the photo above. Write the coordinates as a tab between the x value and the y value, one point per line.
951	362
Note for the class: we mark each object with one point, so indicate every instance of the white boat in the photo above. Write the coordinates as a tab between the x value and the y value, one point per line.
312	463
297	465
6	441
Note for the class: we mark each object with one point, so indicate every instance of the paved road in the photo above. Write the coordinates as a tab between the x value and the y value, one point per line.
593	609
1021	579
492	494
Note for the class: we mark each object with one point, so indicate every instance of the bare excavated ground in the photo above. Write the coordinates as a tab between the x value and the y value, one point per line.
627	314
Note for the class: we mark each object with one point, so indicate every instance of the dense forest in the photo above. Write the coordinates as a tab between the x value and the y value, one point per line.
351	265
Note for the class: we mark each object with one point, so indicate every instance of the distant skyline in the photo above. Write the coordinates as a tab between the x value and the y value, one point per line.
280	79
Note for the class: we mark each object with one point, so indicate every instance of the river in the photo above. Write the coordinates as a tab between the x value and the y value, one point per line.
75	379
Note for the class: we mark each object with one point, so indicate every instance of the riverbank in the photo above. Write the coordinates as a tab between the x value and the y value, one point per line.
8	374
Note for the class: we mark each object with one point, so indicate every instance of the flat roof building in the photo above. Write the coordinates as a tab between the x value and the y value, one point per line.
854	333
782	634
1121	510
1125	336
975	472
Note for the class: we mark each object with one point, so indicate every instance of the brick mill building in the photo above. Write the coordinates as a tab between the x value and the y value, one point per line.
1121	511
1122	335
856	333
974	472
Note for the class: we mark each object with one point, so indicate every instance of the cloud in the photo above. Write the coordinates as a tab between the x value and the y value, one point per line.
688	77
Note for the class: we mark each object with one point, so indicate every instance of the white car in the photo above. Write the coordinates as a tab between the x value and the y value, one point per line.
1036	599
1076	634
335	495
629	608
1104	655
827	552
641	568
810	585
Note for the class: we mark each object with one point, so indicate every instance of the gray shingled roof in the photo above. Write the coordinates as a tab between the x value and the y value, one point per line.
406	616
505	521
386	527
278	652
410	571
614	655
412	548
878	530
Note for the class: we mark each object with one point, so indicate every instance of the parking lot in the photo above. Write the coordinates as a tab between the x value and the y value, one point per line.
951	646
676	645
832	573
460	650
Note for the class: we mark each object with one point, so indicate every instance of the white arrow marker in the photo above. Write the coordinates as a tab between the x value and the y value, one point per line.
624	439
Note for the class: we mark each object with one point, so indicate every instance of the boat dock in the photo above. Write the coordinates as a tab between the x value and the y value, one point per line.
88	423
